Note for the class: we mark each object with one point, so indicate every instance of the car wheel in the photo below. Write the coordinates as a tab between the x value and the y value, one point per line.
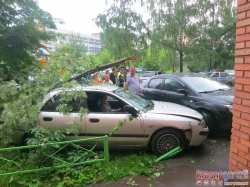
165	141
229	84
210	122
25	137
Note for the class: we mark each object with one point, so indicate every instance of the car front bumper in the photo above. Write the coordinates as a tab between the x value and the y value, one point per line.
199	135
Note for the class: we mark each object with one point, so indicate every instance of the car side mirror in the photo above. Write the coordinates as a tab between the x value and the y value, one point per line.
182	91
130	109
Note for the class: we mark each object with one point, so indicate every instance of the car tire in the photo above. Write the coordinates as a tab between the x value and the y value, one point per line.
165	141
25	137
210	122
229	84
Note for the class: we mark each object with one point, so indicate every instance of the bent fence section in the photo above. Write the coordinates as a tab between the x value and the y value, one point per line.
15	154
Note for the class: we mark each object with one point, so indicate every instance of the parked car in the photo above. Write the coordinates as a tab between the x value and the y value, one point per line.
206	95
223	77
140	70
151	73
160	126
143	79
230	72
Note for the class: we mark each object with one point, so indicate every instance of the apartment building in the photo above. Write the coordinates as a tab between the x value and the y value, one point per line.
92	42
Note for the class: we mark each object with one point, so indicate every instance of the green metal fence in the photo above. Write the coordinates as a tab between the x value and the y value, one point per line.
19	168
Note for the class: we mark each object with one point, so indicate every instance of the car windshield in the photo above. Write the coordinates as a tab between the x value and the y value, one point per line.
132	98
209	74
204	84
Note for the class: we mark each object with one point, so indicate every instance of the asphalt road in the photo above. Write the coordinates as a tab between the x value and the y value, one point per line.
213	155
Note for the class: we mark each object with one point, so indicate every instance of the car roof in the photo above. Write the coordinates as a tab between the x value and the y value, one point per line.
179	75
102	87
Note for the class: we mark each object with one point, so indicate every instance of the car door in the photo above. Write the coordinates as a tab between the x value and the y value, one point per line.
152	89
216	76
224	77
169	91
51	119
103	123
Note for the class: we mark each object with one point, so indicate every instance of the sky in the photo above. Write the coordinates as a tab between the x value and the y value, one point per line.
77	14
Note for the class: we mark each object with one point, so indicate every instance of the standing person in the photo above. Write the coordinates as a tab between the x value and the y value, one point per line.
107	80
120	77
113	76
96	80
106	73
132	81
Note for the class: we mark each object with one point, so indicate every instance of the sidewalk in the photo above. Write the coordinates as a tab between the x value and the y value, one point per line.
213	155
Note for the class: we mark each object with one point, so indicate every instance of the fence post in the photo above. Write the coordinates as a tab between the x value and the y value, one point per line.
106	149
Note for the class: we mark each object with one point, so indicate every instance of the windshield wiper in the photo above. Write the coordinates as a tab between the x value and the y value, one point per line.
222	89
207	91
150	104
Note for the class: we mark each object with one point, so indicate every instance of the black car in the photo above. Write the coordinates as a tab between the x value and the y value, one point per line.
206	95
151	73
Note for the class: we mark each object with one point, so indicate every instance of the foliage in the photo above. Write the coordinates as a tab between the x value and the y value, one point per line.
196	34
22	99
41	136
124	31
215	46
22	28
121	165
73	44
173	26
105	56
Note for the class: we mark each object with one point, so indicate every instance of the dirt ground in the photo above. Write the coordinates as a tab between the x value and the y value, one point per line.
180	171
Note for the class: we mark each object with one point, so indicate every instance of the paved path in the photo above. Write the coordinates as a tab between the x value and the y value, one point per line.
179	171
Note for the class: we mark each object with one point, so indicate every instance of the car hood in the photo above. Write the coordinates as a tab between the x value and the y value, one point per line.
161	107
223	97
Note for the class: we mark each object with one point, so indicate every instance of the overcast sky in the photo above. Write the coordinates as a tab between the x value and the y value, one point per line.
77	14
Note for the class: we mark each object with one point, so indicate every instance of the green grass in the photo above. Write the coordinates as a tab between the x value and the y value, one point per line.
121	165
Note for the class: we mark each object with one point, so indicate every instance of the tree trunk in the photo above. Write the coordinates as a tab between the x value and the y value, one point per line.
109	65
210	64
181	61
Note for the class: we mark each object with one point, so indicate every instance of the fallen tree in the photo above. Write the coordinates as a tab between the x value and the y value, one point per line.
100	68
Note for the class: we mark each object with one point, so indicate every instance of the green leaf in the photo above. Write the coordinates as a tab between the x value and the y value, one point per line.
121	123
157	174
192	161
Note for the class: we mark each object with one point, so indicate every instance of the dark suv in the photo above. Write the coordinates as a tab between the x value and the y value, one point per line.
151	73
206	95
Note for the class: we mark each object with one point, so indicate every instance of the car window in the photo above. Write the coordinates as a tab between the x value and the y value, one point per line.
208	74
54	102
51	104
110	98
172	85
216	75
155	83
223	74
76	104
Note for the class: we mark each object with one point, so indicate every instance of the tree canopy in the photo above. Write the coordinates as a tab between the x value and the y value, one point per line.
198	34
22	30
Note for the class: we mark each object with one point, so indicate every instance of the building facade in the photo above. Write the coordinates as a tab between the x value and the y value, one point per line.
240	139
92	42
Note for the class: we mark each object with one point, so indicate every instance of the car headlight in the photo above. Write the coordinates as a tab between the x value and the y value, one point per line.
230	108
202	123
